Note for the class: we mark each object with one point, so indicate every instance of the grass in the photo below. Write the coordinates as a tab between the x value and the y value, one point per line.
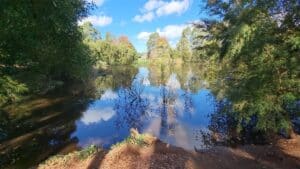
80	155
91	150
134	139
139	140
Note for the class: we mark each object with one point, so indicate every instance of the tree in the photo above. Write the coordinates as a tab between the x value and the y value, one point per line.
200	40
42	37
108	37
158	47
89	32
123	40
151	45
111	51
184	47
126	51
163	48
259	53
29	39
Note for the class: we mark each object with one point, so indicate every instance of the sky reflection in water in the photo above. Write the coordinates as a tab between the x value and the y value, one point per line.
173	114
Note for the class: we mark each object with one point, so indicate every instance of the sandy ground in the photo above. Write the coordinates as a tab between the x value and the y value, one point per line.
285	154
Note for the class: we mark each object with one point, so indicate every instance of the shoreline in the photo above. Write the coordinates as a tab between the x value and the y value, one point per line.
145	151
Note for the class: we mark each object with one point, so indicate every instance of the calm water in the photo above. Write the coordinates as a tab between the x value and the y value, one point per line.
173	103
168	110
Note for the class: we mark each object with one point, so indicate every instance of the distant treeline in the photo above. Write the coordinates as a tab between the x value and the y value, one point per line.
186	48
108	51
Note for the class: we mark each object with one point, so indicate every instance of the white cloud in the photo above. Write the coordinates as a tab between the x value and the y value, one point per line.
179	106
145	17
157	8
143	35
97	20
96	2
109	95
95	115
171	32
153	4
173	83
173	7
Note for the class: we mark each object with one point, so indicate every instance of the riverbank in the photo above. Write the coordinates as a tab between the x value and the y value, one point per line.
145	151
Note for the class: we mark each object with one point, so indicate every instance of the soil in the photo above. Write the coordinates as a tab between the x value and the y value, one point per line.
284	154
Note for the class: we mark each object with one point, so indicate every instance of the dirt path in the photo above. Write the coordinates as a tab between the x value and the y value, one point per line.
157	155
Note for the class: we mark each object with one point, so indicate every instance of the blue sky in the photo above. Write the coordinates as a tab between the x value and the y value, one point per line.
138	18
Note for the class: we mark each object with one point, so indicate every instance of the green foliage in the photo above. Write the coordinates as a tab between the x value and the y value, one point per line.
192	46
151	43
109	51
41	37
158	47
89	32
184	49
87	152
108	37
141	62
77	155
258	45
139	140
10	89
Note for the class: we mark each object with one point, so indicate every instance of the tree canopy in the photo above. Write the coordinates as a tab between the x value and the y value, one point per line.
110	51
257	45
158	47
183	48
41	37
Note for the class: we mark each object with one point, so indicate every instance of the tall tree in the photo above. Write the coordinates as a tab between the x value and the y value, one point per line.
158	47
184	46
151	44
89	32
163	48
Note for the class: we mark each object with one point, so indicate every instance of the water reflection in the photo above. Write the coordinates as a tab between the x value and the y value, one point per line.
109	95
97	114
171	102
156	101
39	128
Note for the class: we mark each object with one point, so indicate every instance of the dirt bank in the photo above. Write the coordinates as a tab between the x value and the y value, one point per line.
144	151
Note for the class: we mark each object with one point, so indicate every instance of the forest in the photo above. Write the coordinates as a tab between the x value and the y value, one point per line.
249	54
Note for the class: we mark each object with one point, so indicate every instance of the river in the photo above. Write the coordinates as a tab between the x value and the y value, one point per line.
173	103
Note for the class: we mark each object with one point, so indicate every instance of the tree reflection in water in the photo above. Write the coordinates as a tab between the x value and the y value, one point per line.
182	105
134	108
45	129
169	102
130	106
168	109
163	108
